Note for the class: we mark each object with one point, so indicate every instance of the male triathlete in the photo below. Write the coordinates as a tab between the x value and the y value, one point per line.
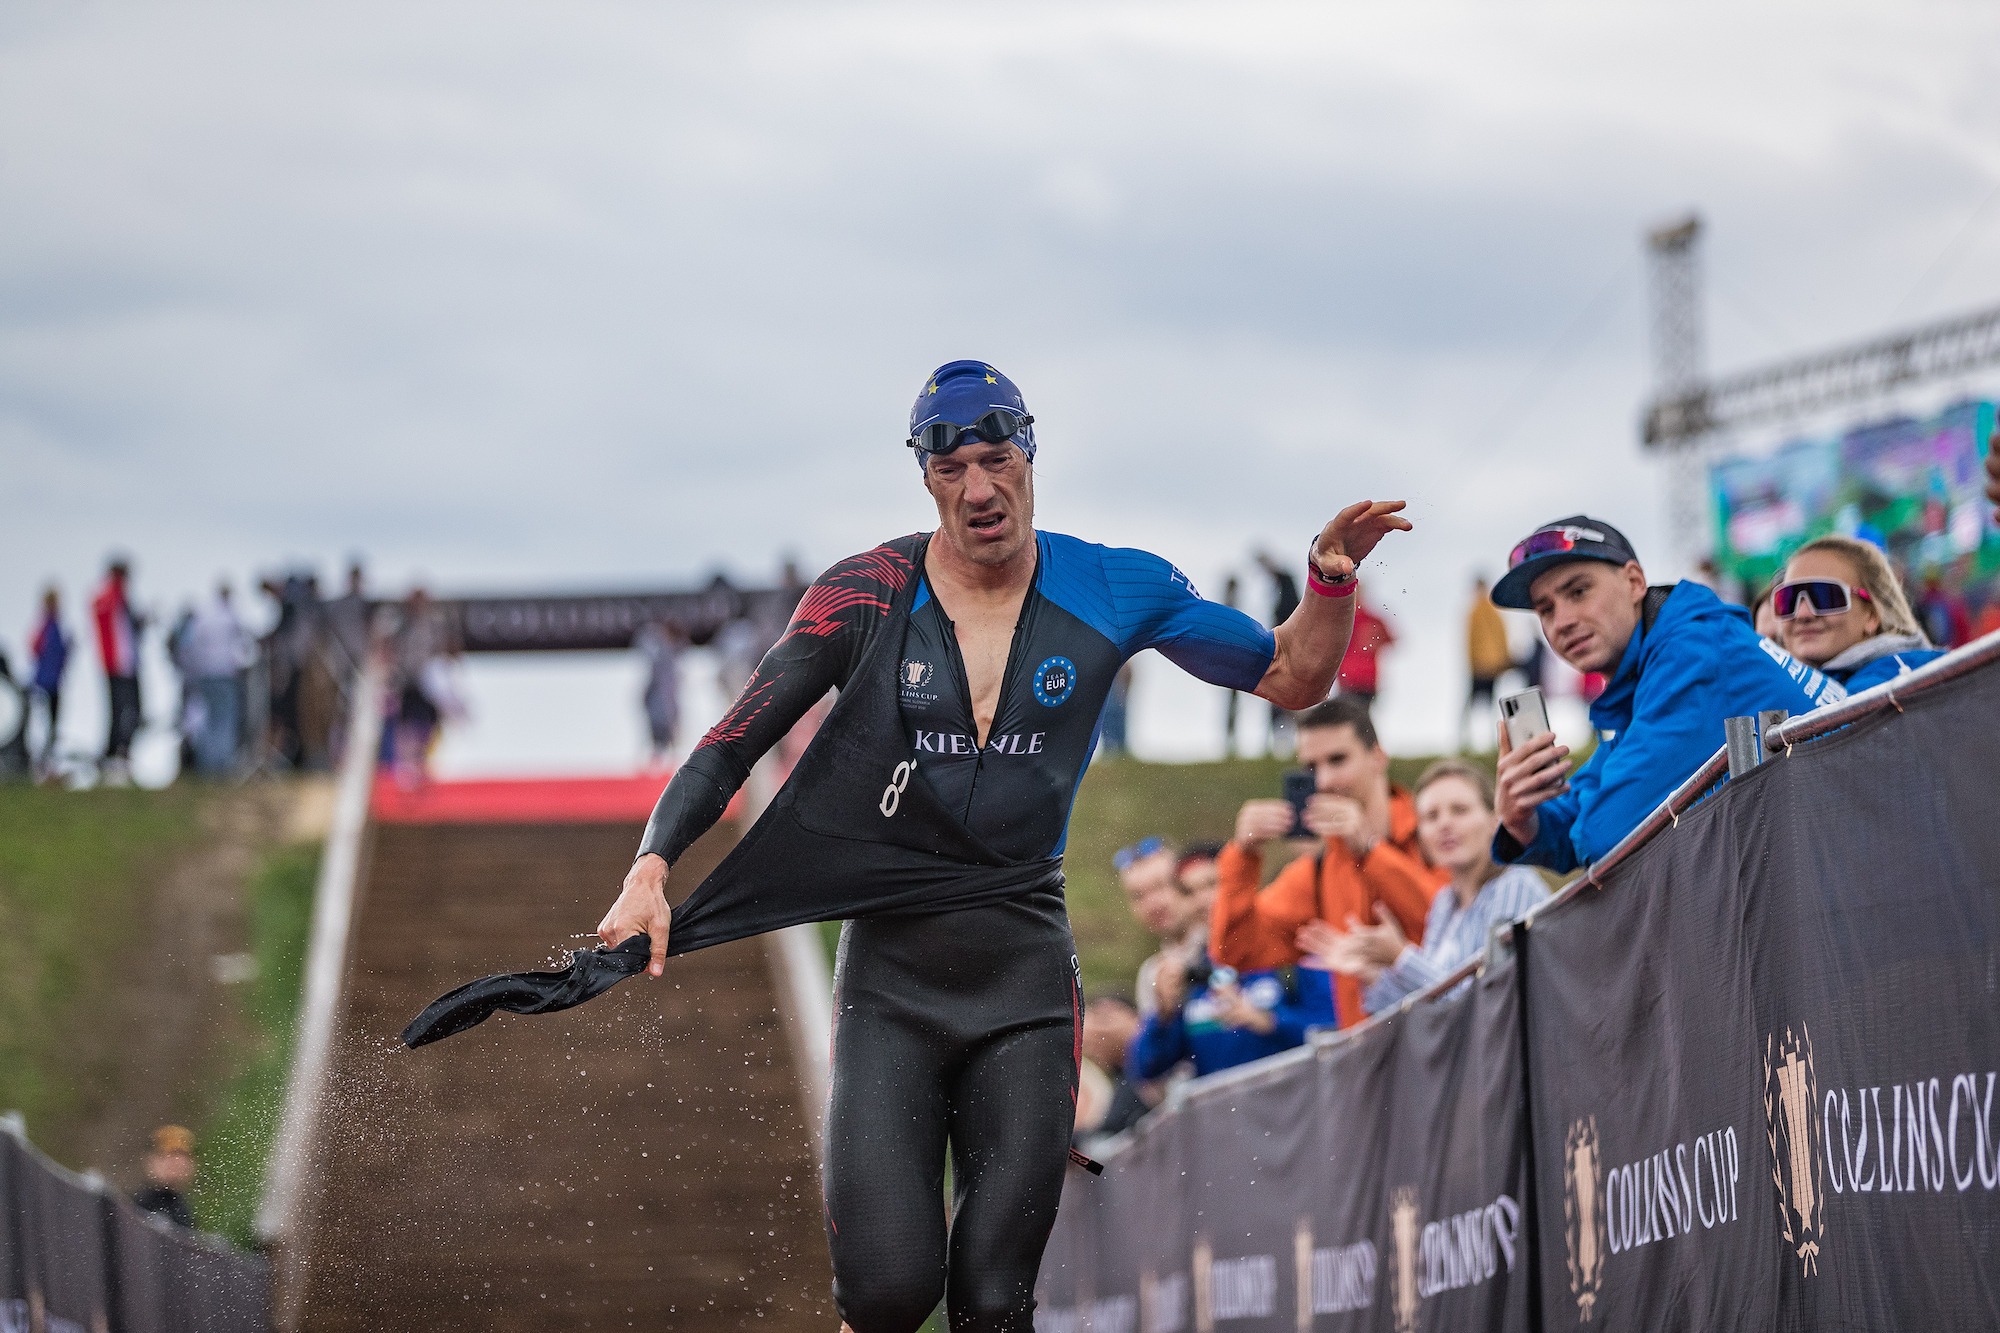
960	1025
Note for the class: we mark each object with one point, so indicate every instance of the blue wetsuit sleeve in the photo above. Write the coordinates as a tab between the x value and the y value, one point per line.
1157	607
1160	1045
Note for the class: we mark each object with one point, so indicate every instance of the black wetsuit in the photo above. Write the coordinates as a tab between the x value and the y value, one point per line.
962	1027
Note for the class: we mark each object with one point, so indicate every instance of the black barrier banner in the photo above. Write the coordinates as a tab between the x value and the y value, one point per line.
1873	936
1372	1184
1648	1095
76	1259
141	1257
1763	1056
61	1230
1455	1161
13	1278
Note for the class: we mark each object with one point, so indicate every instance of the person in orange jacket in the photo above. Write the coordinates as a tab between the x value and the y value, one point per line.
1369	865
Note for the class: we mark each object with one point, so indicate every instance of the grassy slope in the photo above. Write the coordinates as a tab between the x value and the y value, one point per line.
242	1123
73	869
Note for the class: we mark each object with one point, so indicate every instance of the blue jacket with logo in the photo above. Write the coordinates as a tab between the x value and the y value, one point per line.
1194	1032
1660	718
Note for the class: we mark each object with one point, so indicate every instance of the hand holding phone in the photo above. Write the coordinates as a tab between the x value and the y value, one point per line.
1299	788
1526	715
1532	768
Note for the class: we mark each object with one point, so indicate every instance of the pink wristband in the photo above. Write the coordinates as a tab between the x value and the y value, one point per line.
1326	587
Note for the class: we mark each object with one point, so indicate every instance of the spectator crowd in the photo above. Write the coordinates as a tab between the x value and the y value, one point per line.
246	700
1380	893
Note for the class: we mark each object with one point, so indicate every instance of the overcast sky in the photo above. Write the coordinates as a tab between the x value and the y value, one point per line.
515	295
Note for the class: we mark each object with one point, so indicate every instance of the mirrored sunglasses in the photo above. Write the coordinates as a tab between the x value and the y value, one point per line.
1828	597
1549	541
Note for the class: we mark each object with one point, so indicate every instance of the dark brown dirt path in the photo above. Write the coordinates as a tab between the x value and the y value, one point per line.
642	1161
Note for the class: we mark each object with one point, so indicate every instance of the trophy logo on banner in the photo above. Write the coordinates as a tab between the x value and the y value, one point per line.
1403	1224
1790	1097
1583	1214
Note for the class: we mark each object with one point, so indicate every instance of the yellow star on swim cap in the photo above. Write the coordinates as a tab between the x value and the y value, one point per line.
933	386
991	380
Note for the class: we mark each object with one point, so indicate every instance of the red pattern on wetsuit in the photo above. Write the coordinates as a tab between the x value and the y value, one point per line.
818	651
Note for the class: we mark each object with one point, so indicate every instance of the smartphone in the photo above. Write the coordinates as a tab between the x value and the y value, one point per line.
1526	715
1299	787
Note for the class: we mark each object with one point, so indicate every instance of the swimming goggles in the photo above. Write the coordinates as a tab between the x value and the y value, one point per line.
996	427
1828	597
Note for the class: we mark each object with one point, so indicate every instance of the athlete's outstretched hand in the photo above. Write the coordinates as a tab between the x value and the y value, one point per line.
1346	542
641	909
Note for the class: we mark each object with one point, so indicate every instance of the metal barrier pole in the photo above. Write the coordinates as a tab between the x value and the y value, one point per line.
1740	741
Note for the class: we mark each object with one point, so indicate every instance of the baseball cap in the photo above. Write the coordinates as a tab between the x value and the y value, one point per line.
1578	537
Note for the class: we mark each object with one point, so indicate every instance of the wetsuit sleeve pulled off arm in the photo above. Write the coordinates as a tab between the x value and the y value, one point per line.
1253	929
818	651
1158	607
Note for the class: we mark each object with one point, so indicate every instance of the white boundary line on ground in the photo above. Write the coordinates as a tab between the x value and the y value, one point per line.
326	968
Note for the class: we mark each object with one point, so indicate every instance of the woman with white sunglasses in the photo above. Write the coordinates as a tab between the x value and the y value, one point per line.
1841	608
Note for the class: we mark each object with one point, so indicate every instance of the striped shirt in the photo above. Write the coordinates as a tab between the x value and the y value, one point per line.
1454	934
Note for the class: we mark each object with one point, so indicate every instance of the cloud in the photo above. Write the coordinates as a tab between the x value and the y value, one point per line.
520	294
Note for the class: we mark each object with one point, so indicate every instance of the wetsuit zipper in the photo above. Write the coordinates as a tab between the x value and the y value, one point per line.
1028	601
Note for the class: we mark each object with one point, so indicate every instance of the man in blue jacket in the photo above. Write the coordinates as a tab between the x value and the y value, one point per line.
1220	1019
1678	661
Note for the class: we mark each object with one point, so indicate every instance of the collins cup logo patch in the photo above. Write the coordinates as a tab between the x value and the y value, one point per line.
1055	681
916	674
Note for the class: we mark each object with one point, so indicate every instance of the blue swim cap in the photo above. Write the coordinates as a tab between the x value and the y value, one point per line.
961	392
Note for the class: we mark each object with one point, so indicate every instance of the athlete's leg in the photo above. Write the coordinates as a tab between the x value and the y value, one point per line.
1012	1111
885	1144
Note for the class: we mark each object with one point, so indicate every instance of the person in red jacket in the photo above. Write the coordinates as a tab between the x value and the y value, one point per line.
118	630
1369	863
1360	670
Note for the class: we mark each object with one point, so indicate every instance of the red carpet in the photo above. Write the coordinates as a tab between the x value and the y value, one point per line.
523	801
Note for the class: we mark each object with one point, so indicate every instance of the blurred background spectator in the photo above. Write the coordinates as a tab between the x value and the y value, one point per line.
119	628
1361	670
1230	589
1455	826
660	644
1841	608
213	650
1942	611
421	688
1146	873
1284	601
169	1173
1488	656
1364	854
1107	1103
1218	1018
50	645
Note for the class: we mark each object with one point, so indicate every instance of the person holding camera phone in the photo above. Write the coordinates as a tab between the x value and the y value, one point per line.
1220	1018
1368	865
972	664
1677	661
